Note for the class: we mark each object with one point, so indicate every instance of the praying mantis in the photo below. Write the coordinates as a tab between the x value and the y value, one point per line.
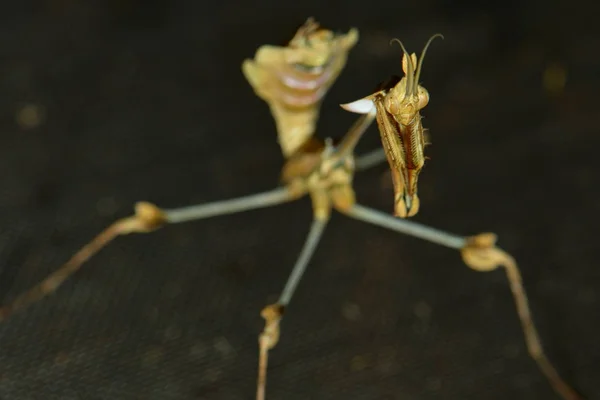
293	81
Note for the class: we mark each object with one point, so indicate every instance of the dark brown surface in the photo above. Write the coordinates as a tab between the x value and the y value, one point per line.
146	101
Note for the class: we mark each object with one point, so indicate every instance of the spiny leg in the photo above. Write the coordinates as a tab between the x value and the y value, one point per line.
479	253
147	218
377	156
274	312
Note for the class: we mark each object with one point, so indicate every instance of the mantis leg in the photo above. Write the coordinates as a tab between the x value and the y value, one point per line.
224	207
479	253
274	312
349	142
376	157
405	226
147	218
370	159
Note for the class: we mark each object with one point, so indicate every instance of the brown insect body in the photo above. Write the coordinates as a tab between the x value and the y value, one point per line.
330	188
403	145
398	103
294	79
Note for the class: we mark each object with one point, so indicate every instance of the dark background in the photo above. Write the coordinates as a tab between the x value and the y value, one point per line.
146	101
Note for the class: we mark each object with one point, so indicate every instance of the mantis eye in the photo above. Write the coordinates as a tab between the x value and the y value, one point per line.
423	95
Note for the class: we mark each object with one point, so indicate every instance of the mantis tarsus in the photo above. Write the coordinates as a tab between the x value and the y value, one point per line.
293	81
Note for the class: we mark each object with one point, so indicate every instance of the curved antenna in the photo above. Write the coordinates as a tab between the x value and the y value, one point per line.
420	64
409	66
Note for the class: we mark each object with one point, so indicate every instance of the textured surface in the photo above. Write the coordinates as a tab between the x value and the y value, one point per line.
146	101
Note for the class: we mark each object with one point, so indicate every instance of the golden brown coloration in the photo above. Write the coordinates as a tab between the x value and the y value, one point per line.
398	103
325	172
294	79
481	254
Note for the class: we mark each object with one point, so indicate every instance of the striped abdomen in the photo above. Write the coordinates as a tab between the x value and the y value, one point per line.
296	104
287	79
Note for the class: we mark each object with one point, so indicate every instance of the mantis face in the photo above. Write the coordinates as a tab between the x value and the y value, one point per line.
398	103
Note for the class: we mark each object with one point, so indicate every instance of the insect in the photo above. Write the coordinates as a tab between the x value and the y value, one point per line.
293	81
397	104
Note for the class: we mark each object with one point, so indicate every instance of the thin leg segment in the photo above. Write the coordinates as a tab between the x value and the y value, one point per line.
274	312
481	254
55	279
370	159
201	211
312	240
532	338
349	142
147	218
407	227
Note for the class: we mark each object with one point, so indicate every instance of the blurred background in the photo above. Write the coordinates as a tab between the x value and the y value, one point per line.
105	103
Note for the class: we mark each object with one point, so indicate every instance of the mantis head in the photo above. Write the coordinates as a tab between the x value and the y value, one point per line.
407	98
397	104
